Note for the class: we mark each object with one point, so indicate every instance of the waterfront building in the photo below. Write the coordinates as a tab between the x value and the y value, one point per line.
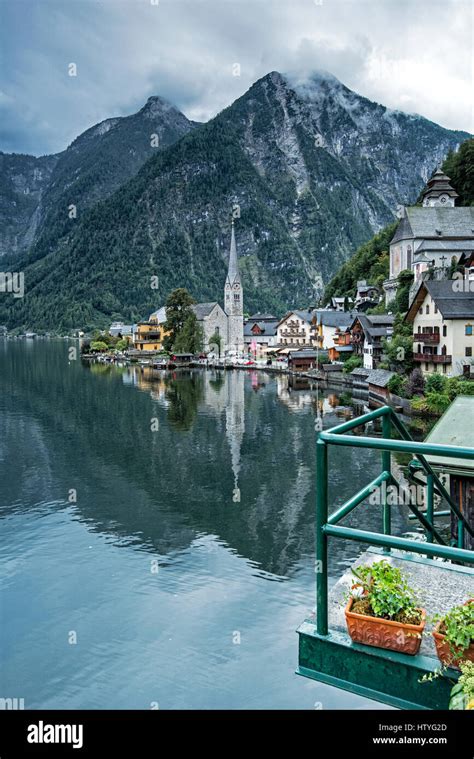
442	315
149	335
260	333
296	329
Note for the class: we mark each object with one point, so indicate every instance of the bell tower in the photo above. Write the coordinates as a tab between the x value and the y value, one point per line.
438	191
233	300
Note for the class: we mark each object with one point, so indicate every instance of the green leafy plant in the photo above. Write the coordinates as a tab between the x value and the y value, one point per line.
458	627
462	693
382	590
354	362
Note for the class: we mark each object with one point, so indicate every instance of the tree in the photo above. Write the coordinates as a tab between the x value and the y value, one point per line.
399	352
416	383
178	309
405	279
98	346
216	339
459	167
189	339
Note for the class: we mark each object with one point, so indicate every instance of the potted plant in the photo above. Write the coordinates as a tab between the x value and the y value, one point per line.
382	609
462	694
454	635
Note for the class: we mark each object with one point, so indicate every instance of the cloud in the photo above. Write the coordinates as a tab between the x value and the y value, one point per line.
406	55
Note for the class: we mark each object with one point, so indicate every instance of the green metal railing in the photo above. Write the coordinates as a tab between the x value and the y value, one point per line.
328	526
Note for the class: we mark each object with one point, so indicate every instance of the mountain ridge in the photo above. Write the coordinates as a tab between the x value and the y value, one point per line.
314	177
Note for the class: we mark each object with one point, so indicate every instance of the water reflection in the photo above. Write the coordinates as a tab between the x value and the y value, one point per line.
232	454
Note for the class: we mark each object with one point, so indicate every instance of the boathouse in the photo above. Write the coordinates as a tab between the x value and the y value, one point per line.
456	428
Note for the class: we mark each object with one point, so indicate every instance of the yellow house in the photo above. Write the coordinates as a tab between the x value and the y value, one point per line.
149	335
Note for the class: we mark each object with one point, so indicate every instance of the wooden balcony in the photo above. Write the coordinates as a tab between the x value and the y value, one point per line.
435	358
430	338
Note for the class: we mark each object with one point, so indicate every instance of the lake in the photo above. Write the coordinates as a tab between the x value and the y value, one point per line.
157	541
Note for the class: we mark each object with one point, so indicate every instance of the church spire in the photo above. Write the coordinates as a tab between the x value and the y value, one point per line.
233	271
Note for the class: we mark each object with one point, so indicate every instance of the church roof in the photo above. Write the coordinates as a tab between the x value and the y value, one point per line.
435	222
203	309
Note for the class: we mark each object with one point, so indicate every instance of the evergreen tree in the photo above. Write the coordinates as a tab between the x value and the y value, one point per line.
178	309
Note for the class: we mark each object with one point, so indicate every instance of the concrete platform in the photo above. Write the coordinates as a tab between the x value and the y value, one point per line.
382	675
438	584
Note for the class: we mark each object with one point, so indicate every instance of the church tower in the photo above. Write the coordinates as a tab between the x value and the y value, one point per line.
233	301
438	191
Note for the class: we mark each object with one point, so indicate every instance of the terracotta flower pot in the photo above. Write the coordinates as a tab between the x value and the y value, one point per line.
384	633
446	655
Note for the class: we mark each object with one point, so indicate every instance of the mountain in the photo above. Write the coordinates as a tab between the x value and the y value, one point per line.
315	168
36	193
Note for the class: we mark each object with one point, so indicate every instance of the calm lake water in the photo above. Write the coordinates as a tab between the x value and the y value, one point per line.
157	534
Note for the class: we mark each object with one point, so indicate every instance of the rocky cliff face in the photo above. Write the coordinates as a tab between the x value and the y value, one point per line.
314	169
23	180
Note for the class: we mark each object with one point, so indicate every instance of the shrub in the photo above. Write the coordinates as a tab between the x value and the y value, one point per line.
436	383
432	403
415	384
397	384
352	363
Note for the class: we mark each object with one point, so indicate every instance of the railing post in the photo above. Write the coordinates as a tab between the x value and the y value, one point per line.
386	466
321	538
429	505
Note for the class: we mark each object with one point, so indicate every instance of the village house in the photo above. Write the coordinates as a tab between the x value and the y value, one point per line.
367	296
340	304
118	329
442	315
342	347
429	237
149	335
367	335
260	333
328	326
296	329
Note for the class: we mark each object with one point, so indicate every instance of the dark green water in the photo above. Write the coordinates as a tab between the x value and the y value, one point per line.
187	560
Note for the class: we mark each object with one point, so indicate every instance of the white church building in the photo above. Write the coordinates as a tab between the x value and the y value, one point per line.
430	236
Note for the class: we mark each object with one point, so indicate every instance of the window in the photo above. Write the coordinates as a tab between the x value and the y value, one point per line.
236	297
444	368
427	310
468	329
468	351
445	330
420	310
427	366
435	308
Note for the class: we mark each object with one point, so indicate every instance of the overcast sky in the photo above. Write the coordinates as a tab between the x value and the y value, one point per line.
413	55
